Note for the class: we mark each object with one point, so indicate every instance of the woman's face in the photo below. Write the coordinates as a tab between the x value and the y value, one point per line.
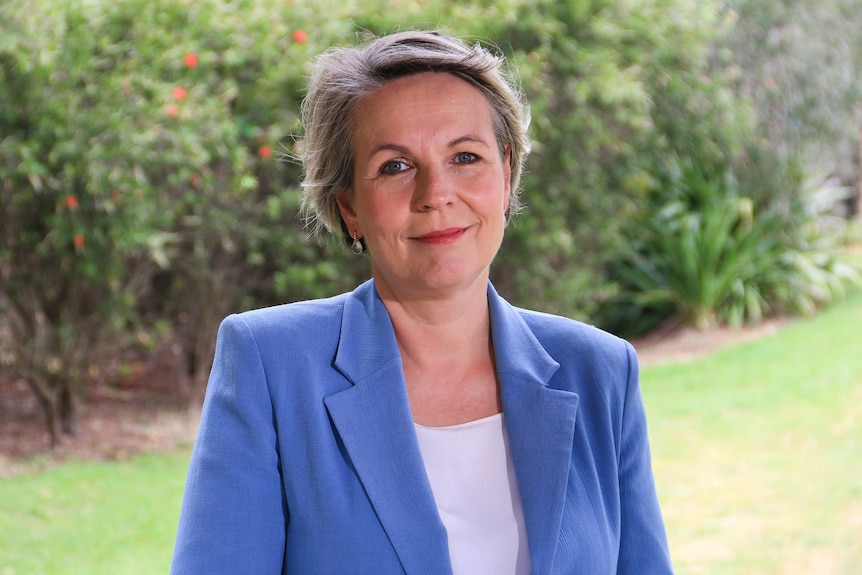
430	188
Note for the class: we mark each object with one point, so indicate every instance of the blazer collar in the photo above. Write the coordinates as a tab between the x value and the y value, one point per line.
374	422
540	422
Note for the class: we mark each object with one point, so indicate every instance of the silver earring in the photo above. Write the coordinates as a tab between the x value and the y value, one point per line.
356	246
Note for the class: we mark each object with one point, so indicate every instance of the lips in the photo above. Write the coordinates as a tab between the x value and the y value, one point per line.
445	236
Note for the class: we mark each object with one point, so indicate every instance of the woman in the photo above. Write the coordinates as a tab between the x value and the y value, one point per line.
419	424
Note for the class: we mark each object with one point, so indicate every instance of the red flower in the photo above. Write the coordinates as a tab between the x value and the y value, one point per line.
180	93
79	240
265	152
300	36
172	110
190	60
71	201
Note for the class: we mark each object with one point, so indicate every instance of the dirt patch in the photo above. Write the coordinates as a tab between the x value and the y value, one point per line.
142	411
681	343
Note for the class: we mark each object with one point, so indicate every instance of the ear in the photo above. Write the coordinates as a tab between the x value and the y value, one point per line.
344	199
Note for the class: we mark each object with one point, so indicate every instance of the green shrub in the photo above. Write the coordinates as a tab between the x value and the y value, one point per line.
139	172
705	255
617	88
71	221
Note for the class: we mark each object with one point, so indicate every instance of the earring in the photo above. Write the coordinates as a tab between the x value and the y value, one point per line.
356	246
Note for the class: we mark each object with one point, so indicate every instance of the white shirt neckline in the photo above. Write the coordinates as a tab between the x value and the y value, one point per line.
469	467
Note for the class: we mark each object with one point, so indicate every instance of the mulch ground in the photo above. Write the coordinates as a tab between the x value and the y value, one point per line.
118	417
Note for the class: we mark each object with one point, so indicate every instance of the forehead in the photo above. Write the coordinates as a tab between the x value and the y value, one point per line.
421	103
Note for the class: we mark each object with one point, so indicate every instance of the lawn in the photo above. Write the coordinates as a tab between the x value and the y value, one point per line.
757	448
112	518
758	451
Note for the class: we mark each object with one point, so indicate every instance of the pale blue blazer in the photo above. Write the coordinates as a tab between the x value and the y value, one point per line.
307	460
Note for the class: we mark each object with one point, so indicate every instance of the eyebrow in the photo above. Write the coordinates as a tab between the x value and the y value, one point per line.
391	147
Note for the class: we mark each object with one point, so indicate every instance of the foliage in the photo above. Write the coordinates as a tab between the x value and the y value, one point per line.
140	173
71	220
619	89
227	99
705	254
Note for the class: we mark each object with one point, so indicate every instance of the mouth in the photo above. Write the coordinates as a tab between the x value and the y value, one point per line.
444	236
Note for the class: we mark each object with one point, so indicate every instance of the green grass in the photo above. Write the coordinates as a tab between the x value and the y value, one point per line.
758	451
92	518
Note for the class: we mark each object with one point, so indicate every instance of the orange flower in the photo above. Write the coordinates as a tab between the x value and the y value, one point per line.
190	60
71	201
79	240
265	152
172	110
180	93
300	36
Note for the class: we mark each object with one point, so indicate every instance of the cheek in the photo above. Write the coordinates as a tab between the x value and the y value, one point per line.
382	216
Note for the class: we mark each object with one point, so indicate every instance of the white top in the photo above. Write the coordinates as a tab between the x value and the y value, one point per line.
470	469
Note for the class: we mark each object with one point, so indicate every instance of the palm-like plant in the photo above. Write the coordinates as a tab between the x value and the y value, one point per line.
705	256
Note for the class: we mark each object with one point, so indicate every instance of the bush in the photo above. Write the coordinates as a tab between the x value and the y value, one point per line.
704	255
619	91
140	173
71	222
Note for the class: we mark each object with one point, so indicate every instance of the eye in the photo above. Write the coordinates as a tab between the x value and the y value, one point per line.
465	158
394	167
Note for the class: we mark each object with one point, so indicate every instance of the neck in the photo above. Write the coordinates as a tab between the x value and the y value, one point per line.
446	354
429	330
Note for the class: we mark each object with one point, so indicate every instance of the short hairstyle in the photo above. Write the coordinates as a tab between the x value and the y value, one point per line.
342	76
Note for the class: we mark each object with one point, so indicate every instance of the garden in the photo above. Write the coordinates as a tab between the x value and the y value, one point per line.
694	177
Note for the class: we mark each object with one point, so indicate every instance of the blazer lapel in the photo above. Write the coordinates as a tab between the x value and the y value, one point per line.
540	422
374	423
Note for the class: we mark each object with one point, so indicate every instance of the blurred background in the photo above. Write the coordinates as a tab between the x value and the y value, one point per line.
695	177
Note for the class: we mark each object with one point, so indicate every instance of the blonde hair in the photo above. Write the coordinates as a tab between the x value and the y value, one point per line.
342	76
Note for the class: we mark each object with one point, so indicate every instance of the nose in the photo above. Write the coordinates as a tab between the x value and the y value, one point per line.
434	190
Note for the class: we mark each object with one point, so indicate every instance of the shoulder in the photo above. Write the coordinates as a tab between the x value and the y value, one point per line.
599	366
299	322
564	337
538	342
300	312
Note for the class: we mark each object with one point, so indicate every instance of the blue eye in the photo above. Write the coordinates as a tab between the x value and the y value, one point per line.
466	158
393	167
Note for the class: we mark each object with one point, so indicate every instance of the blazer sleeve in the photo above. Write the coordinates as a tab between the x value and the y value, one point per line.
643	541
233	516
